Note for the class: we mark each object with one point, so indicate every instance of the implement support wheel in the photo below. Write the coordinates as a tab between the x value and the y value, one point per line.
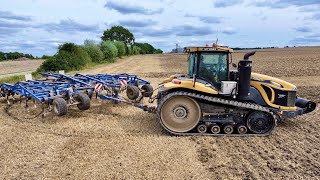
148	90
84	101
60	106
133	92
179	114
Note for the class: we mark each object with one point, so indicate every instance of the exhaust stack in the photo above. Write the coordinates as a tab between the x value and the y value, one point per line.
244	69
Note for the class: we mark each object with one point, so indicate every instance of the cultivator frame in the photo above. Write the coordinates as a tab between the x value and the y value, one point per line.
58	91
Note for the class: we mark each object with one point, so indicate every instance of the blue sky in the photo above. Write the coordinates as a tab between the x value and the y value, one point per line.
39	26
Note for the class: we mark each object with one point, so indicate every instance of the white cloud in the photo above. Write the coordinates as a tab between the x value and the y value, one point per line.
38	27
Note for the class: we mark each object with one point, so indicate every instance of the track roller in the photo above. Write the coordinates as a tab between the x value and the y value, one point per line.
242	129
215	129
228	129
202	128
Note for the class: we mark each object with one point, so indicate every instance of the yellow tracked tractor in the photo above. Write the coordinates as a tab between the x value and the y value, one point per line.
212	99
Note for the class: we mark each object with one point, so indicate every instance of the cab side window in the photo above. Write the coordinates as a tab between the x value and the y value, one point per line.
213	68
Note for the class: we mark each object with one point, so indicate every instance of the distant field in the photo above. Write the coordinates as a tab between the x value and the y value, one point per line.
16	67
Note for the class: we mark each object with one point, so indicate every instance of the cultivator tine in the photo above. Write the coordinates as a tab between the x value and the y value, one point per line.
34	104
8	101
49	107
27	106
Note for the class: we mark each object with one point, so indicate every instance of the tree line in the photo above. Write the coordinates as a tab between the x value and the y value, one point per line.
116	42
13	55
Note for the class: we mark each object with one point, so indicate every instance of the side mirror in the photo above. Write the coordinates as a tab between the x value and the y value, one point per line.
234	65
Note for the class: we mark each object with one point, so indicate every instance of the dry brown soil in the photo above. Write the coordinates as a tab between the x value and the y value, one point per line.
122	142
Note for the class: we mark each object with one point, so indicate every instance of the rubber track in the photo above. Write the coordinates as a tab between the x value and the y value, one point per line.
214	100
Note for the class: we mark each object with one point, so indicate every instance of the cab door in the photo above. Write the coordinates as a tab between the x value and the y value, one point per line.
213	68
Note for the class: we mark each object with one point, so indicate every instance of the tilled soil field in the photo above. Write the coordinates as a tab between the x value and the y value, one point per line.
122	142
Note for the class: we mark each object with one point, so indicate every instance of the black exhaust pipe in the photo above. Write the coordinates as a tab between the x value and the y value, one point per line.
244	69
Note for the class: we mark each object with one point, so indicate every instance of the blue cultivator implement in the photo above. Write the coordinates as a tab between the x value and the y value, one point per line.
58	91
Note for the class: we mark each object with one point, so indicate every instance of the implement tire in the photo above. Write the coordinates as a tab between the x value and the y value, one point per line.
84	101
60	107
133	92
148	90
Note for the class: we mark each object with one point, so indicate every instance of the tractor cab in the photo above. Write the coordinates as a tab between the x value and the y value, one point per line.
210	64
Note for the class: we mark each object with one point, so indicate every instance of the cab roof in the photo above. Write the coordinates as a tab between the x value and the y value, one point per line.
208	49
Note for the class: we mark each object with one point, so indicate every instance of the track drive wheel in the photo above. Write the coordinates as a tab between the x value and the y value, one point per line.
60	106
260	122
179	114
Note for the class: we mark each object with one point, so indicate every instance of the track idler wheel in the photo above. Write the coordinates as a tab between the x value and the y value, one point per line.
133	92
228	129
202	128
242	129
84	101
147	90
179	114
259	122
60	106
215	129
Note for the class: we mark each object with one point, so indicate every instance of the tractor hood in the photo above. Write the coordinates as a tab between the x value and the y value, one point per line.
281	84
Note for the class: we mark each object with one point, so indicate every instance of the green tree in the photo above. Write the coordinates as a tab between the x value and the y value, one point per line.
121	48
158	51
93	50
135	50
129	50
69	57
45	57
146	48
118	33
109	50
53	64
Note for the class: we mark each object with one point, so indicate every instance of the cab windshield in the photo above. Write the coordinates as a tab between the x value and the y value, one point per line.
192	64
